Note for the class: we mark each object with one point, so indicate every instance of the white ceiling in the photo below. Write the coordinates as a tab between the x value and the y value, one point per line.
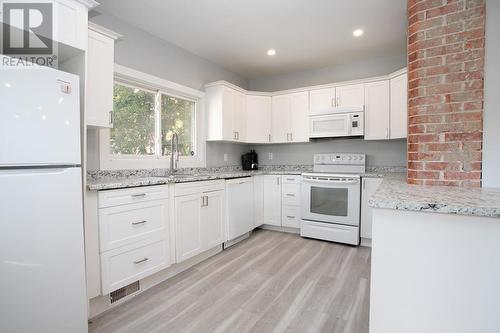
237	33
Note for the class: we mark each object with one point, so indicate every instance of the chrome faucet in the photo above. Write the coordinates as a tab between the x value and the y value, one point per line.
174	154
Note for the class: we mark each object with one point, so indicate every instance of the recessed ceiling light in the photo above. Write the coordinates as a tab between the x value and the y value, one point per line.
357	32
271	52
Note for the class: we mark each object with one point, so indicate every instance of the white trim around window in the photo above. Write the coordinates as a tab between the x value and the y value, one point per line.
149	82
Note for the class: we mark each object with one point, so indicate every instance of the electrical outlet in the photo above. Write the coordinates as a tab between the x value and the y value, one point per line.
225	157
270	156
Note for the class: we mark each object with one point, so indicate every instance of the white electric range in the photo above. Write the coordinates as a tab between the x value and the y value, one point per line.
331	198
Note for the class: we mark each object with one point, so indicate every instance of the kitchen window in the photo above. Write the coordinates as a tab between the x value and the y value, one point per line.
145	115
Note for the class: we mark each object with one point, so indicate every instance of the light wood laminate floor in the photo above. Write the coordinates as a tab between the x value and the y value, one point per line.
271	282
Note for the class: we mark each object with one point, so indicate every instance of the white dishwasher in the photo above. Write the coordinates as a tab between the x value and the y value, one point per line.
239	208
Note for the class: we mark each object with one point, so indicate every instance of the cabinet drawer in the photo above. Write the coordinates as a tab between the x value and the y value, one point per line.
132	195
290	194
199	187
126	224
290	216
291	179
124	266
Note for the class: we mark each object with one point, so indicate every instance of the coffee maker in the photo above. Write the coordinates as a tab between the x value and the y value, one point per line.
249	161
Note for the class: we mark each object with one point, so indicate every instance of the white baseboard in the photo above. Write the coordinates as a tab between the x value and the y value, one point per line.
281	229
366	242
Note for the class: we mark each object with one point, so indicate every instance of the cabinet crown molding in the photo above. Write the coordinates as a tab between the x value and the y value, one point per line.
308	88
104	31
88	3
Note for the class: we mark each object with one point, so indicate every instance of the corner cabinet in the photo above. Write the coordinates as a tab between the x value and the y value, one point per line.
226	112
199	217
290	122
258	119
100	72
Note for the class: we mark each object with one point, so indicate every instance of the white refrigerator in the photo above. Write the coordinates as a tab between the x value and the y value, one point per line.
42	263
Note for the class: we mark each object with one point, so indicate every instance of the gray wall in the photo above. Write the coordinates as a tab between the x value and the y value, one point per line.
216	151
351	71
149	54
491	152
146	53
379	153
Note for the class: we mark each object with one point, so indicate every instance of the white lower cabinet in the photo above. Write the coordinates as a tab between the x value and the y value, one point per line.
123	266
272	200
258	200
370	185
133	234
290	200
199	217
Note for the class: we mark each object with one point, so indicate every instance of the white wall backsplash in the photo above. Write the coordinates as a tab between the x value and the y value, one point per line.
379	153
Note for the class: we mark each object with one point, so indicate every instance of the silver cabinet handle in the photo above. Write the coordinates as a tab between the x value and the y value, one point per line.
290	179
269	137
139	222
111	120
291	136
290	216
277	180
204	201
290	195
139	195
141	261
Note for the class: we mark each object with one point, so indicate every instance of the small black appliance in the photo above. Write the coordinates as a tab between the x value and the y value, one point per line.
249	161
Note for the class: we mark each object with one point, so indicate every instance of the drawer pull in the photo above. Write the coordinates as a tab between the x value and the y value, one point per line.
139	222
290	194
290	216
141	261
139	195
290	179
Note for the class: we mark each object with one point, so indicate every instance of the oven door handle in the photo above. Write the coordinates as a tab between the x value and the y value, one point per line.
349	181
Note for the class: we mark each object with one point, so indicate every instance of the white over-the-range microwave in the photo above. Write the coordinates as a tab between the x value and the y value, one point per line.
337	123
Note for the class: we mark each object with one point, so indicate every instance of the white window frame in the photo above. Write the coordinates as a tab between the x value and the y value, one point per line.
134	78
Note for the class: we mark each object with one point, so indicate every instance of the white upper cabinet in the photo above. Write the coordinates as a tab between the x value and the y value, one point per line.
71	19
290	121
283	117
299	117
377	110
341	98
321	100
280	122
399	107
226	110
350	97
258	119
99	82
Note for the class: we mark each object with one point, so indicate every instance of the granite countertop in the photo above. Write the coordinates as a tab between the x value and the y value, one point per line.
107	180
395	193
115	180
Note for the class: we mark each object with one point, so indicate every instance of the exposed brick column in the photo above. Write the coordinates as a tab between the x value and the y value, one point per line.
445	91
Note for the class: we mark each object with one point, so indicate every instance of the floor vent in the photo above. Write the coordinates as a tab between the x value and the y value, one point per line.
124	291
